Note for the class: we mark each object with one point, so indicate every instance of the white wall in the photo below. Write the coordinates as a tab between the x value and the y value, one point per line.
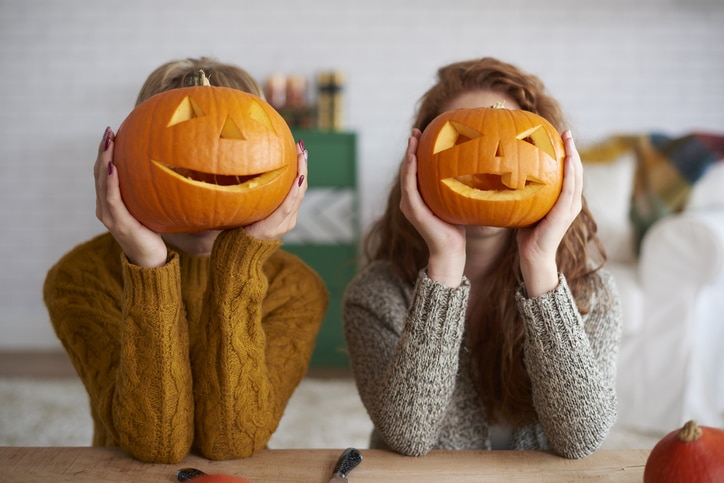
71	68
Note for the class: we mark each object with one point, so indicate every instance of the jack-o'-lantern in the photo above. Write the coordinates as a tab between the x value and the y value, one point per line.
203	157
490	166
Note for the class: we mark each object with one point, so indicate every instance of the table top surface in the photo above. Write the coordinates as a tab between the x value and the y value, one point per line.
76	464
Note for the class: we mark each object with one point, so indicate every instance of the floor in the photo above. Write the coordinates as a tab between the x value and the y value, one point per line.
42	402
56	364
49	364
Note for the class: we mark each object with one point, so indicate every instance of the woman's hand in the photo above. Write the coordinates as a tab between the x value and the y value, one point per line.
538	244
284	218
142	246
445	242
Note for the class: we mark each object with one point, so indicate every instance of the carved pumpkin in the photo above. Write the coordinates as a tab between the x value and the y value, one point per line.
490	166
201	158
692	454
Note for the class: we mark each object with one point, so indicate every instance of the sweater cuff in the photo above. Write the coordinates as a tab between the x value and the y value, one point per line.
240	253
438	309
555	308
143	283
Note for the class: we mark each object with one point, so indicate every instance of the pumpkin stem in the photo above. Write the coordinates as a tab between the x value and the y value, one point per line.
690	432
198	79
499	105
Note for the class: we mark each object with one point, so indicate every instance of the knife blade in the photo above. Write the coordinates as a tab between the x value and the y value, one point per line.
346	462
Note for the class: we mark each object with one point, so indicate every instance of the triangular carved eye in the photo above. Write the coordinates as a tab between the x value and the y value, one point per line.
186	110
258	113
538	137
231	131
453	134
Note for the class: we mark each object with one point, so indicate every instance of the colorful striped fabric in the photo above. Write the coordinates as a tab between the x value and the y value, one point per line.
667	169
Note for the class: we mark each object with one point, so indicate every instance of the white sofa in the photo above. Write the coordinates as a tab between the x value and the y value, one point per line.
671	362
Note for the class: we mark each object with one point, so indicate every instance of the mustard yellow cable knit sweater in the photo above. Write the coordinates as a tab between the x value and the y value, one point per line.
201	354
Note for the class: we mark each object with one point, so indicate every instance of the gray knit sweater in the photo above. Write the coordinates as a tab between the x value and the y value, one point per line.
410	361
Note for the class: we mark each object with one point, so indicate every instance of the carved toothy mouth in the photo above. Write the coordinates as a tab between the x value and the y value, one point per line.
243	182
491	186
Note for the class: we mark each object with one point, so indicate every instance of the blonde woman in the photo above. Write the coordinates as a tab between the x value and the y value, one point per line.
189	342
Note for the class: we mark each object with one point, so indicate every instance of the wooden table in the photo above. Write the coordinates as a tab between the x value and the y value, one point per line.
27	464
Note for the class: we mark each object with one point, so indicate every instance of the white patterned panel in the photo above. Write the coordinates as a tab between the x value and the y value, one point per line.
327	216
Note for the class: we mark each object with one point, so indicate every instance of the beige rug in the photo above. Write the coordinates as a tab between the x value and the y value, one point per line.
323	413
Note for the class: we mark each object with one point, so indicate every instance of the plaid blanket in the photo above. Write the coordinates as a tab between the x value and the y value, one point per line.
667	168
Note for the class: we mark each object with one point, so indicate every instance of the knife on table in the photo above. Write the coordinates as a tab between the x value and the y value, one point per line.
187	474
347	461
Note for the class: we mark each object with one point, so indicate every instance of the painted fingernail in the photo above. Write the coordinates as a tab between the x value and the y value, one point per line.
301	145
301	180
110	168
106	139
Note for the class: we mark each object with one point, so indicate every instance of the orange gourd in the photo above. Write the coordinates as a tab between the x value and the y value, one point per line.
490	166
203	157
692	454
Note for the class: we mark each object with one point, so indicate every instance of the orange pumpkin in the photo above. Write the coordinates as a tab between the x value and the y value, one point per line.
490	166
692	454
201	158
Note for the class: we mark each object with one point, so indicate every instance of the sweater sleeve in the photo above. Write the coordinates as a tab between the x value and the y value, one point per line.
571	360
256	335
129	343
404	354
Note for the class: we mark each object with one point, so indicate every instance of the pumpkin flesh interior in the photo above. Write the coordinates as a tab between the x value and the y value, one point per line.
227	182
489	187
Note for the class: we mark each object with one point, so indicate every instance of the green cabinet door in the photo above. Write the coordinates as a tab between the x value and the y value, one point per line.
326	236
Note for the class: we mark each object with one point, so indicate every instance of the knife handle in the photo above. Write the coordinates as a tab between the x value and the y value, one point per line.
349	459
187	474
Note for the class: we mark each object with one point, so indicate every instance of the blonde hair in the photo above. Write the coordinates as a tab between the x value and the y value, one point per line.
178	73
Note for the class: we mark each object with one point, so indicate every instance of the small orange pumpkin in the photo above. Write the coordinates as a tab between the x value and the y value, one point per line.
490	166
203	157
692	454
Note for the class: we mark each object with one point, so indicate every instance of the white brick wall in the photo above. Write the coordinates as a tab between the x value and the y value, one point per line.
70	68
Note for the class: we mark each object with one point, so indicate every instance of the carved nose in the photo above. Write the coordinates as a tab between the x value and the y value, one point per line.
509	167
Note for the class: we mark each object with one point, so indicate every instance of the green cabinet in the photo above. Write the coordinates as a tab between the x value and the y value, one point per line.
326	235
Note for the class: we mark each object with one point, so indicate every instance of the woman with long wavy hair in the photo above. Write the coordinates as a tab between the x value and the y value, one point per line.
474	337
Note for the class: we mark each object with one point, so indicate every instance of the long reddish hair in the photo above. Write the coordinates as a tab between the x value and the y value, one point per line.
495	329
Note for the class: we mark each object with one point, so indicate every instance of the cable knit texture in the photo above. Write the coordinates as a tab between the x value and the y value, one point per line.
200	354
411	363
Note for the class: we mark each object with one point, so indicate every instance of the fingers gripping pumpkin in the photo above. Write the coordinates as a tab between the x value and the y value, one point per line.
202	157
490	166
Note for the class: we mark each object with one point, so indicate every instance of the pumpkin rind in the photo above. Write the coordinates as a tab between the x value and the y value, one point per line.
677	458
490	167
203	158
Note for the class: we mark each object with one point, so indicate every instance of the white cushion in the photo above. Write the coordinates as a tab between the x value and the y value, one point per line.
708	192
631	295
607	188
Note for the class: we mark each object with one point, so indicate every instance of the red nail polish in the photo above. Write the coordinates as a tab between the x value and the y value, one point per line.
110	168
301	144
301	180
106	139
